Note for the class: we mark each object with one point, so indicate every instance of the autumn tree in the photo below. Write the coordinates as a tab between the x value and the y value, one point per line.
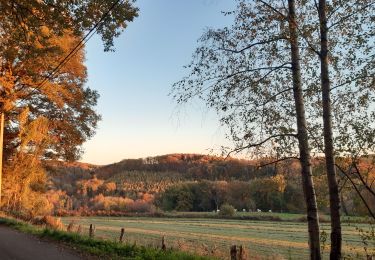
250	73
42	82
24	178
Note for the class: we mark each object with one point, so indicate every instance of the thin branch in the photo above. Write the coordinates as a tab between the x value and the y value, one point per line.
343	185
282	66
239	149
275	95
253	45
258	81
349	15
316	5
278	160
273	9
309	45
351	80
358	192
315	140
362	180
335	10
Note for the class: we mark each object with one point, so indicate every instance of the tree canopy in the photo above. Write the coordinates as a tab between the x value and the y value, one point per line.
49	110
36	36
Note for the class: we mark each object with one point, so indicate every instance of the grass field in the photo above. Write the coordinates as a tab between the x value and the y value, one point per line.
261	239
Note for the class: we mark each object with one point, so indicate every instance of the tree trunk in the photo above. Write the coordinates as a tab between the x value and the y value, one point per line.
307	181
334	199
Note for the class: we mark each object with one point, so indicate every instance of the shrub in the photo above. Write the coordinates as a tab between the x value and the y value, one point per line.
139	206
227	210
53	223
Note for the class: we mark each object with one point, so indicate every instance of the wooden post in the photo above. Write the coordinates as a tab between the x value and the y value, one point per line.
163	246
70	227
91	231
1	152
79	229
241	253
122	234
233	252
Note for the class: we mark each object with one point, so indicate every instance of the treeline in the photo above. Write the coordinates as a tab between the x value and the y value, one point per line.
190	166
130	186
259	194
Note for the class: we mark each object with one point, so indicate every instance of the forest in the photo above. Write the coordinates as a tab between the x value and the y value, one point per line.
183	182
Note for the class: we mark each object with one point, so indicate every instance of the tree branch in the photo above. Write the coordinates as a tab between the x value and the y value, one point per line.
335	10
351	80
362	180
275	95
349	15
358	192
278	160
253	45
239	149
282	66
273	9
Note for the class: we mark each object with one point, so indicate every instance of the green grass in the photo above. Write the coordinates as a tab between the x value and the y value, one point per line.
286	239
262	216
99	247
267	216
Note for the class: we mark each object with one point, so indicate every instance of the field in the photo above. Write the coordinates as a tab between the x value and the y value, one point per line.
261	239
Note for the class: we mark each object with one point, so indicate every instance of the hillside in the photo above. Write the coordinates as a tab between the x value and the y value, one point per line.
189	166
183	182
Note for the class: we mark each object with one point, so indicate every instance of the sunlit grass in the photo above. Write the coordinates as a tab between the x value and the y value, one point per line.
268	238
99	247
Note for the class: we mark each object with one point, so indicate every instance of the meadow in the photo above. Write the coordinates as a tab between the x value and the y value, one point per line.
213	237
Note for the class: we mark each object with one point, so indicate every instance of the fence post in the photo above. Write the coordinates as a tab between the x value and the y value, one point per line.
79	229
91	231
122	234
233	252
163	246
242	253
70	227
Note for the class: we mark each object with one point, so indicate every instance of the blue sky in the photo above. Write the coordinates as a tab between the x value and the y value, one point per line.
139	118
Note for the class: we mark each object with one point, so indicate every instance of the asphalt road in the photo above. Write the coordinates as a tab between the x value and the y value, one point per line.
19	246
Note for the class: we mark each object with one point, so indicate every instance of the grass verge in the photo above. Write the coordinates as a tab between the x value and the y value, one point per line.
98	247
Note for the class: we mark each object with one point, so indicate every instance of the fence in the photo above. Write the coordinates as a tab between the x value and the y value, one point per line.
234	252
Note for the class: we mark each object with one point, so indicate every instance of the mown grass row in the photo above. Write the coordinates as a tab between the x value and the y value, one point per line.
260	238
98	247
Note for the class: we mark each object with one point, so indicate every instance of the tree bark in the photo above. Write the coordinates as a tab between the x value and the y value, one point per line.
334	199
304	149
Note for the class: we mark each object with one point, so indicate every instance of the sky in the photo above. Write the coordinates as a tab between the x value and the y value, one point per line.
139	119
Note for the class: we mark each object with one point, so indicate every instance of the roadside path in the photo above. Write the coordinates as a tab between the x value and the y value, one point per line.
15	245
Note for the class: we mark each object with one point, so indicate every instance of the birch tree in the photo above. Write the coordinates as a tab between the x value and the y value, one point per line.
250	73
340	37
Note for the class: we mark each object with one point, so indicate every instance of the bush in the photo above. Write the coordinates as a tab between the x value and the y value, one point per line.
227	210
53	223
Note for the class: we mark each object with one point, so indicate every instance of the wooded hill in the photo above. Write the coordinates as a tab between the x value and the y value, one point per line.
183	182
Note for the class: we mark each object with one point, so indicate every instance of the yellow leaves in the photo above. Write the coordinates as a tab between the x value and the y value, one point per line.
33	133
7	81
275	183
280	181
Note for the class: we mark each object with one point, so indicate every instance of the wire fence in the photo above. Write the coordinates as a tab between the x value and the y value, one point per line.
193	243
